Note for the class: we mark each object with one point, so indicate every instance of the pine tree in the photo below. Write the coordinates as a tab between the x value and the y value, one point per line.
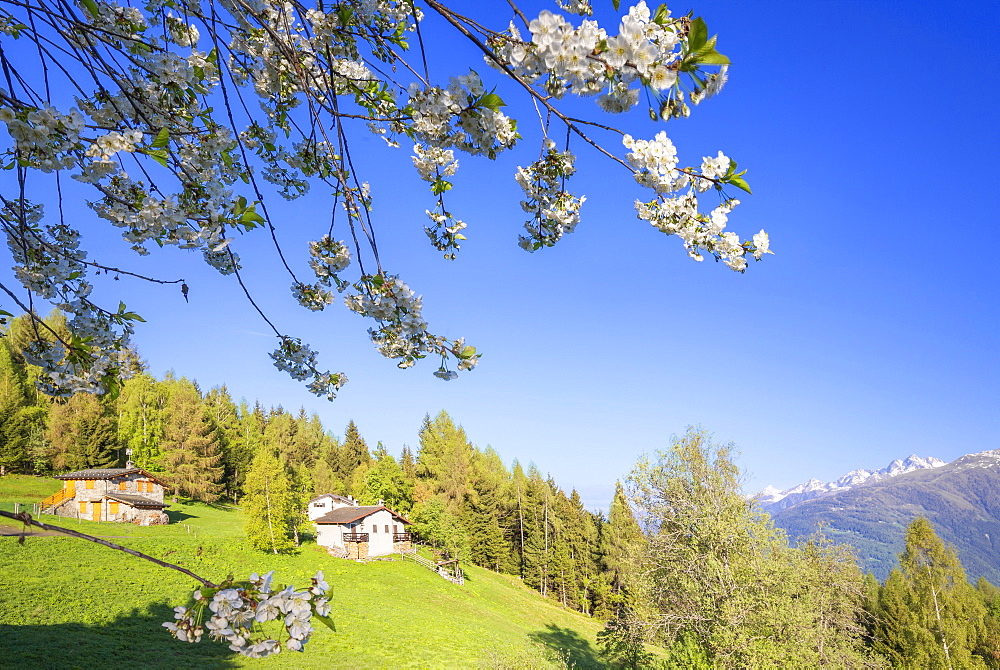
190	449
225	419
268	504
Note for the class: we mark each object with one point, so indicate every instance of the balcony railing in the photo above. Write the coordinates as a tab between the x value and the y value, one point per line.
355	537
402	537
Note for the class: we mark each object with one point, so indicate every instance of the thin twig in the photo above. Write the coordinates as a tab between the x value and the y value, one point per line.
26	519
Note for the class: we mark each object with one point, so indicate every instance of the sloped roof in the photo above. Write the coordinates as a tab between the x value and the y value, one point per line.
135	501
106	473
335	497
351	514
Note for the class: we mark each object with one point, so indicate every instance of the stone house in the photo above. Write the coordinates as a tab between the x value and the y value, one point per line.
123	495
362	531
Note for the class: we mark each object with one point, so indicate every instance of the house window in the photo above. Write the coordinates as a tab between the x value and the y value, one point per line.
83	507
122	485
318	505
374	527
395	528
387	528
114	508
90	483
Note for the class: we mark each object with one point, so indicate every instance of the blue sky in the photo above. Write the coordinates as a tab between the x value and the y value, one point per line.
869	132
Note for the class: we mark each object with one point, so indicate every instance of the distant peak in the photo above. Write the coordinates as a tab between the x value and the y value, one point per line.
814	488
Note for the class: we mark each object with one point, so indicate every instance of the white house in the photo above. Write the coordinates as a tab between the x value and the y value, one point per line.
362	532
328	502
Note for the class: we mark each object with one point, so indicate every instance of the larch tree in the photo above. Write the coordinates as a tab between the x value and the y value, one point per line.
141	415
81	434
268	504
927	614
191	457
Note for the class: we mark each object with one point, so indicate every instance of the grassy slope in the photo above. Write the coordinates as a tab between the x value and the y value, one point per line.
68	603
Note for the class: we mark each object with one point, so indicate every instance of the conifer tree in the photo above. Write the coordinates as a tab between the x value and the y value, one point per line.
236	453
384	481
141	416
14	435
927	614
353	460
192	461
268	503
487	546
622	542
81	434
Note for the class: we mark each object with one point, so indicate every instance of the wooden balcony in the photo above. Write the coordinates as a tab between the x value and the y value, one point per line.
355	537
402	537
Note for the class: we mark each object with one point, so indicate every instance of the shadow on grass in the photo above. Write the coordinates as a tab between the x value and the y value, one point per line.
131	640
571	647
176	516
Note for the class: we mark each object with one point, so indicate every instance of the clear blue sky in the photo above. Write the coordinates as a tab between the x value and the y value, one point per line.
869	131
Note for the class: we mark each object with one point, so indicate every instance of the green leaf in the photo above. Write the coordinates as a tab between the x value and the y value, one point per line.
616	4
660	17
460	236
162	139
440	186
467	352
158	155
91	7
697	35
250	216
378	280
326	621
713	58
739	182
492	101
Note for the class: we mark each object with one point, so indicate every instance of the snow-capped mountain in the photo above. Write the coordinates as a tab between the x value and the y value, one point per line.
772	500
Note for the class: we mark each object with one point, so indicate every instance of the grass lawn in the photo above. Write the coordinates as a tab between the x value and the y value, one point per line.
69	603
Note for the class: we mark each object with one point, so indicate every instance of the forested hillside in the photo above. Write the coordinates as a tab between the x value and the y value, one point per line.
961	499
462	498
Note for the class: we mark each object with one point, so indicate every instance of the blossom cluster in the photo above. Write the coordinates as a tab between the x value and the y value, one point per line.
554	211
462	116
50	263
300	362
586	60
402	333
240	610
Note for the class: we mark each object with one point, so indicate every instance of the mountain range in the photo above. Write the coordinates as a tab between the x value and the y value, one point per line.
772	500
961	499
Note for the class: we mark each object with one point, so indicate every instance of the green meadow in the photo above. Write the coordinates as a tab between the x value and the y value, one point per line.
68	603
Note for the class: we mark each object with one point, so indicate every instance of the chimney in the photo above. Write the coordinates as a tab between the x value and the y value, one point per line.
381	503
129	465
